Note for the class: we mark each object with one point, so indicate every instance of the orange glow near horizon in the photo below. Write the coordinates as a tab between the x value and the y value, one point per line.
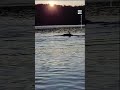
51	3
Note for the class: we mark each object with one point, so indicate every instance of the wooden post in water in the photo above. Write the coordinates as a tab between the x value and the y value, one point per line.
80	12
81	21
111	3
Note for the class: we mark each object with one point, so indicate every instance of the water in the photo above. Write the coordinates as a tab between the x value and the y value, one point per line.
59	62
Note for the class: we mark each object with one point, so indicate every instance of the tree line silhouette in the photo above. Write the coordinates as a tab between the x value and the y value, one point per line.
58	15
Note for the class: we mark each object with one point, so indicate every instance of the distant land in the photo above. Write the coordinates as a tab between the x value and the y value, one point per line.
58	15
18	11
16	4
93	10
102	12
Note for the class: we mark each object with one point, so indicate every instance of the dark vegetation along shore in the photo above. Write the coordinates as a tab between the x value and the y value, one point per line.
93	12
102	12
20	11
58	15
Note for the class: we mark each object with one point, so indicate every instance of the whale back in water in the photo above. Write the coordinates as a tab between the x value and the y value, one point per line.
67	34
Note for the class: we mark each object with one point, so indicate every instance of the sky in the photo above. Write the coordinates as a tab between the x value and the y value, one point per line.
14	2
61	2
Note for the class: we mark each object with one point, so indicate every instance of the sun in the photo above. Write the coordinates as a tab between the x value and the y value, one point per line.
51	3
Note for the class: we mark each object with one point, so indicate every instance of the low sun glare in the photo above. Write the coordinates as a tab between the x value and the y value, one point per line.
51	3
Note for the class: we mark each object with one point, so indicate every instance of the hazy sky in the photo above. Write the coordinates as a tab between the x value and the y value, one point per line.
68	2
62	2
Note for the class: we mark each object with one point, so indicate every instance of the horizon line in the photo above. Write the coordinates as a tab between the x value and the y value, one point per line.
59	4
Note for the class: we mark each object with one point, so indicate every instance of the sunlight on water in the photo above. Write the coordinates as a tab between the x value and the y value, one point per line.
59	62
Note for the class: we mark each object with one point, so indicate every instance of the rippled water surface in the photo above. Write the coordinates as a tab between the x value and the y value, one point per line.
59	62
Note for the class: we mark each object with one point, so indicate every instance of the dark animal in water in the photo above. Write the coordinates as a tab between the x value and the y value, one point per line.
68	35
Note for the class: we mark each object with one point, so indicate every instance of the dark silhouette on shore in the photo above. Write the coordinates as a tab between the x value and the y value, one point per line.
57	15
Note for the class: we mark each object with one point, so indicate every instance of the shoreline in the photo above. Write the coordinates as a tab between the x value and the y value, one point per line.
58	26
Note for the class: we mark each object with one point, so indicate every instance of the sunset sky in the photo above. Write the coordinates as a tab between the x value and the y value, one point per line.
61	2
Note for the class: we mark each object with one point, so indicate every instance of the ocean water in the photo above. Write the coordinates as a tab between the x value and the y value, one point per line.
59	62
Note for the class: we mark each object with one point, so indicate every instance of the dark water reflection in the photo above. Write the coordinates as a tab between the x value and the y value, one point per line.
59	62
